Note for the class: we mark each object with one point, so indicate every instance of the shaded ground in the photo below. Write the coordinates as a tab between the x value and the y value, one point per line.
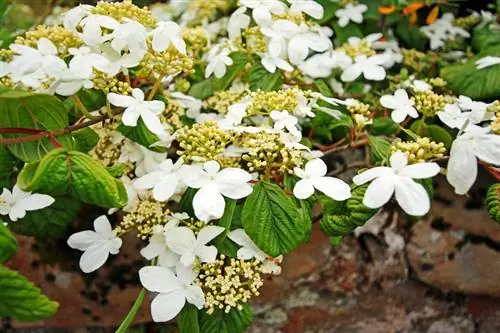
439	275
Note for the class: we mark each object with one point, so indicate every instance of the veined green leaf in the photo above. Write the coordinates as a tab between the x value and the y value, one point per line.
142	135
493	202
236	321
21	300
261	79
272	220
71	172
380	149
187	320
8	243
85	139
27	110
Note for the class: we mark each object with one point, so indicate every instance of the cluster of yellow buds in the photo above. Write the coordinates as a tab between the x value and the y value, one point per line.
182	85
467	22
202	142
267	154
362	48
495	109
109	148
416	60
429	103
296	17
229	283
61	37
419	151
172	115
196	40
221	100
110	84
6	55
144	217
263	102
168	62
251	40
361	114
438	82
208	10
125	10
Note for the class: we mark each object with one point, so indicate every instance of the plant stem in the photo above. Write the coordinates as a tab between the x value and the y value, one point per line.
154	89
48	134
133	311
81	107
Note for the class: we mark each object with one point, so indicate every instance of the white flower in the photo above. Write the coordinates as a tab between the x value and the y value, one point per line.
72	79
419	85
183	241
321	65
132	196
92	28
371	68
249	250
135	107
145	160
165	34
117	62
465	151
401	105
274	58
310	7
158	248
352	13
217	64
238	21
443	30
190	103
453	116
164	181
208	202
17	203
477	111
86	60
173	291
304	107
262	9
313	177
72	18
283	119
97	245
487	62
129	36
398	179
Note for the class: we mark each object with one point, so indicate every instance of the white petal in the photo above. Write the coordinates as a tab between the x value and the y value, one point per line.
208	203
297	50
181	240
303	189
351	73
232	183
83	240
390	102
376	73
334	188
371	174
420	170
487	148
379	192
102	225
211	167
195	296
240	237
153	123
269	64
159	279
36	201
412	197
207	253
94	257
193	176
166	189
120	100
316	168
398	115
148	181
157	245
462	167
166	307
398	160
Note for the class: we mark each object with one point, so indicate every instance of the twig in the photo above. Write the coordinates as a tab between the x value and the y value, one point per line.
357	144
354	165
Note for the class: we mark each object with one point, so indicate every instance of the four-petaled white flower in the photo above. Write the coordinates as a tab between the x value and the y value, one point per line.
371	68
217	64
135	107
213	183
237	21
185	243
476	143
249	250
164	181
166	34
283	119
17	203
310	7
401	105
350	13
193	105
487	62
313	176
398	179
262	10
97	245
158	248
173	290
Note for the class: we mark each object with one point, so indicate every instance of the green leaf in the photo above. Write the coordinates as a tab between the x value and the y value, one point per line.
91	99
261	79
342	34
142	135
7	164
478	84
358	212
410	34
343	121
493	202
85	139
8	244
187	320
236	321
329	9
117	170
484	38
51	222
225	221
33	111
272	220
21	300
323	88
186	203
384	126
71	172
380	149
207	87
434	132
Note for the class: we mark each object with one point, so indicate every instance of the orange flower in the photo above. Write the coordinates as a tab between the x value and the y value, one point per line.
412	9
431	18
386	10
